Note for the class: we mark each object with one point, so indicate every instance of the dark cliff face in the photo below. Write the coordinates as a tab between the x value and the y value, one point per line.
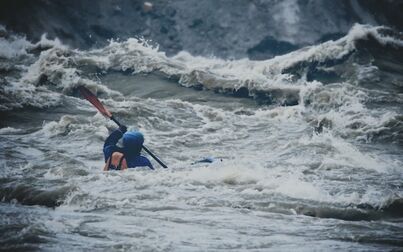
258	29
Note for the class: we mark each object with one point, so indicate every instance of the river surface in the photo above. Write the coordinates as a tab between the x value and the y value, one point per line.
307	147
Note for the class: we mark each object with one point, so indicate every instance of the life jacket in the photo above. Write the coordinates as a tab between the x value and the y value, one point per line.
116	161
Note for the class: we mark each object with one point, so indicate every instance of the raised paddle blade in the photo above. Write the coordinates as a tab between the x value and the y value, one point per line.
88	95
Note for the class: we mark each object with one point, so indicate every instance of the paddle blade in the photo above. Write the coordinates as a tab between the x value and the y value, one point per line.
88	95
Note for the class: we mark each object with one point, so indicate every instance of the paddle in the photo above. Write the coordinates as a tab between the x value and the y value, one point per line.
88	95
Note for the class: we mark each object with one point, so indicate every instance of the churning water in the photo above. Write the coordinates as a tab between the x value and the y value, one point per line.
308	147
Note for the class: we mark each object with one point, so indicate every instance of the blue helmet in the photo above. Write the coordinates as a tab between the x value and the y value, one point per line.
133	142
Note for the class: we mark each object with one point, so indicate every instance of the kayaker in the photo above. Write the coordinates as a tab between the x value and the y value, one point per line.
117	158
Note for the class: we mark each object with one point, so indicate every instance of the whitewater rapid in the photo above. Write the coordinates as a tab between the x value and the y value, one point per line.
308	147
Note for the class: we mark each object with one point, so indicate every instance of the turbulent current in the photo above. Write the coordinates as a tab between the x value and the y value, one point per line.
308	147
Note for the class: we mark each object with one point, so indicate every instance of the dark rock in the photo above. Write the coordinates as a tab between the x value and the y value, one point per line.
228	29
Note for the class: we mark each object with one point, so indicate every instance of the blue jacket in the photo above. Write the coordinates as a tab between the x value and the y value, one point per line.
132	160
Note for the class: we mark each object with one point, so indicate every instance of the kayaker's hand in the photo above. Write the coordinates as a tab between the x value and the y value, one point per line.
123	129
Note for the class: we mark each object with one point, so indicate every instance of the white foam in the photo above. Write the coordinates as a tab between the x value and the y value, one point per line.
13	47
45	43
215	130
22	91
59	65
9	130
140	57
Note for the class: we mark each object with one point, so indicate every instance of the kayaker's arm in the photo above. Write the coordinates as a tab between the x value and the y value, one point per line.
112	140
